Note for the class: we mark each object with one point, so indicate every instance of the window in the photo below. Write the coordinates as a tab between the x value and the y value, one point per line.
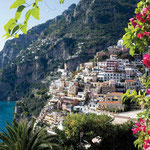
114	99
109	99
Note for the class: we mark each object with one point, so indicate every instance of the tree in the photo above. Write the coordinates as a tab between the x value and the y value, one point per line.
91	125
21	136
13	26
137	38
118	137
81	129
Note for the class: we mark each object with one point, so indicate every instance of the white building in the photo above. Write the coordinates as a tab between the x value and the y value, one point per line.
107	76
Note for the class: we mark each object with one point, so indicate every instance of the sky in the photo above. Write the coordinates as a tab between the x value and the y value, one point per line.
49	9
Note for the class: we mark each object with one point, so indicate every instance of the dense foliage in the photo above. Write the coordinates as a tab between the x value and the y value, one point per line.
32	104
13	26
80	130
22	136
137	37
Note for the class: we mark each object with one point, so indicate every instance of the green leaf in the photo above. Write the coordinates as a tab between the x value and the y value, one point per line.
61	1
15	29
16	36
132	50
28	14
17	3
36	2
7	35
19	11
9	23
36	13
23	28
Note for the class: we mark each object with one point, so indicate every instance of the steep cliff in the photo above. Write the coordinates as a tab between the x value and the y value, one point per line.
72	38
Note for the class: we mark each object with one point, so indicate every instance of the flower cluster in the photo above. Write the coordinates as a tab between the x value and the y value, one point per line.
141	128
146	145
141	18
148	91
146	60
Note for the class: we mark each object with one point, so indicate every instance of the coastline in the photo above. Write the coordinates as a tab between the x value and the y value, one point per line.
6	112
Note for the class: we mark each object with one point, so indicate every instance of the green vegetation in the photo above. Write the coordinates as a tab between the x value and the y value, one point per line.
22	136
13	25
34	103
81	129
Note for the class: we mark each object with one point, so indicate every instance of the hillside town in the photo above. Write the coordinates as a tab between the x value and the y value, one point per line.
95	87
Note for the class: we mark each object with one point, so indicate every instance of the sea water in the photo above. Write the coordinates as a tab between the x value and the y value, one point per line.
6	113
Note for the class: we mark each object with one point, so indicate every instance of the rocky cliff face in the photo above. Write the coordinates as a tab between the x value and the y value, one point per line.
72	38
13	47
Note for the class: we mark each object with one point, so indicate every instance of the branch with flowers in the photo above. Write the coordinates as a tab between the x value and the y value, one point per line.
137	34
137	38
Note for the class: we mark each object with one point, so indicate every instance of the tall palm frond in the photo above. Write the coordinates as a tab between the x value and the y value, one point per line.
21	136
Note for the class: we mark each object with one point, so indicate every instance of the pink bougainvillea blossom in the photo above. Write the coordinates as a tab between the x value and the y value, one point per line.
135	130
139	16
146	144
144	14
138	125
131	19
143	128
148	132
148	91
147	33
148	17
140	35
142	20
134	24
138	26
145	9
146	60
141	120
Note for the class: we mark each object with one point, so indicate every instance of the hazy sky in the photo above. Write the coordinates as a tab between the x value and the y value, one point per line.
49	10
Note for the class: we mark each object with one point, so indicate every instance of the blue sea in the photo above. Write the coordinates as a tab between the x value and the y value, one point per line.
6	113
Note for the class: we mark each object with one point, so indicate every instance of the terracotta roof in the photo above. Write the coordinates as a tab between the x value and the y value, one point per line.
110	102
115	93
129	80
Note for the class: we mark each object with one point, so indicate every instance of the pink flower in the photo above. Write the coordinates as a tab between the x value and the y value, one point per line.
148	91
138	26
145	9
146	60
138	125
135	130
142	20
143	128
144	14
140	35
146	144
139	16
148	17
147	141
134	24
141	120
147	33
148	132
131	19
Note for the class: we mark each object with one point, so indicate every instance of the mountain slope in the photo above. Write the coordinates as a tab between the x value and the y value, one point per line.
72	38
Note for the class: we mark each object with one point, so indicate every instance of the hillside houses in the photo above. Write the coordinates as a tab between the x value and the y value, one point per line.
96	85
